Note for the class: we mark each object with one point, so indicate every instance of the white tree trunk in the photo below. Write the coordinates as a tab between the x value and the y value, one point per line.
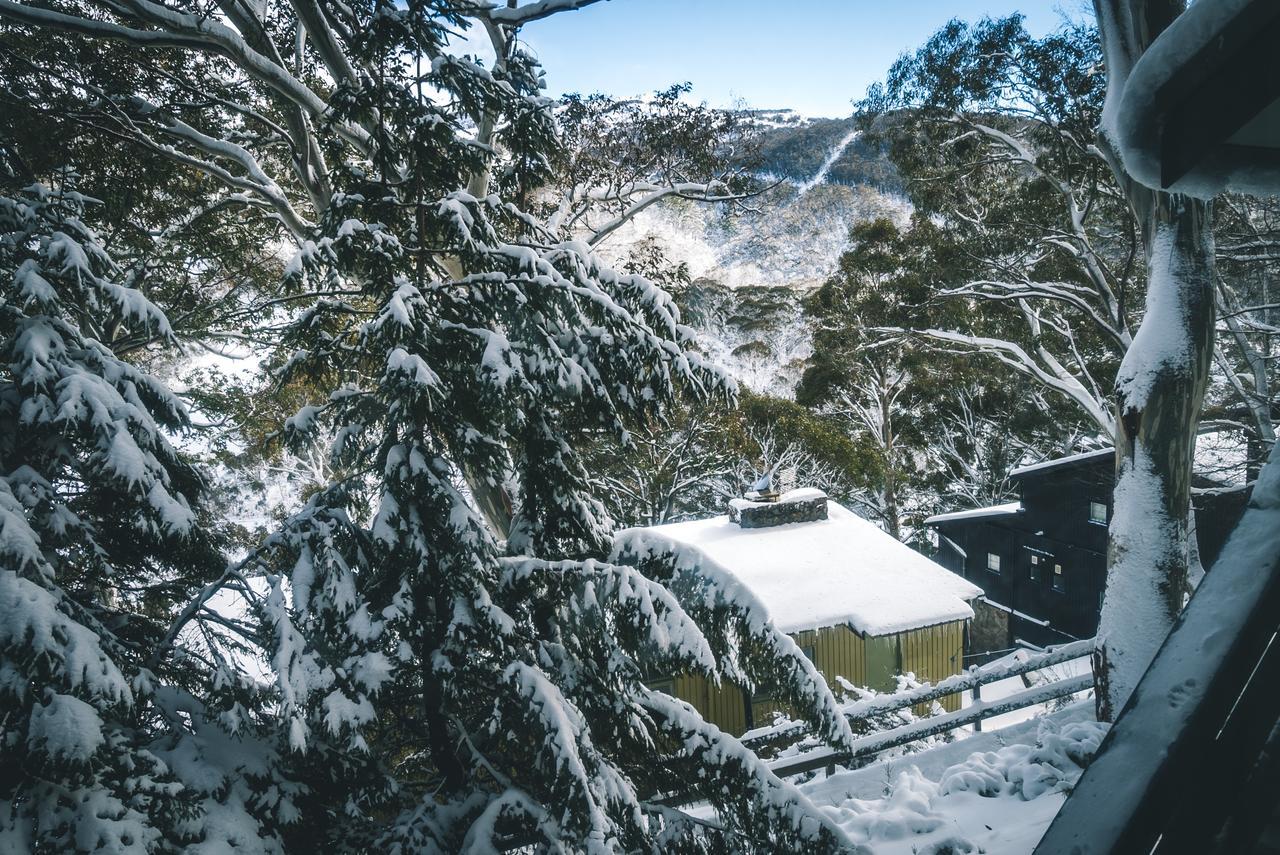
1160	388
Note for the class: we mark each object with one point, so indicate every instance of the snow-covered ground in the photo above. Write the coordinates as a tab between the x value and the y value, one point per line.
993	792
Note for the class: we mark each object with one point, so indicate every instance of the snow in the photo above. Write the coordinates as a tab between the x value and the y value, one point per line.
1009	686
991	792
67	728
802	494
29	617
1132	123
841	570
1134	619
1062	461
1221	456
834	155
992	511
1161	342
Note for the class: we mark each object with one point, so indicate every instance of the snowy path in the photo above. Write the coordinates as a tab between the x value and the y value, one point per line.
832	157
993	792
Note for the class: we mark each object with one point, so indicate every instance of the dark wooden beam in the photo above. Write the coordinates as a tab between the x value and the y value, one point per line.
1174	771
1218	90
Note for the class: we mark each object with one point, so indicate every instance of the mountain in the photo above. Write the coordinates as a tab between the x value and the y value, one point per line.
750	269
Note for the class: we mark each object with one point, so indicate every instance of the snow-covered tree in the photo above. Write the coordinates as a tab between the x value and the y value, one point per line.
993	130
1159	388
624	156
945	430
104	747
1072	246
449	674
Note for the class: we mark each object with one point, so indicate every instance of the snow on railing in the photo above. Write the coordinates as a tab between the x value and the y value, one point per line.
972	680
872	744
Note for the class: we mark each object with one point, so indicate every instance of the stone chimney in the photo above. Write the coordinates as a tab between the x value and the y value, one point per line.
797	506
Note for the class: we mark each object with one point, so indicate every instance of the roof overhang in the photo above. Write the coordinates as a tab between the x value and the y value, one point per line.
1200	111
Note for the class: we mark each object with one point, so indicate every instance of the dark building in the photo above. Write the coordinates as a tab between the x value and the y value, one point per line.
1042	561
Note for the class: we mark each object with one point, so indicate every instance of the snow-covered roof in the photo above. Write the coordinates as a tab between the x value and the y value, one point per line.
1062	461
841	570
993	511
1220	455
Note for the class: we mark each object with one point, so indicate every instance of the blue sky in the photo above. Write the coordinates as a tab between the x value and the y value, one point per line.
814	56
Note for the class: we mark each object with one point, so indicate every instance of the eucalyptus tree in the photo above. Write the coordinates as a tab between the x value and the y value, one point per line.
944	430
1006	153
1159	388
993	130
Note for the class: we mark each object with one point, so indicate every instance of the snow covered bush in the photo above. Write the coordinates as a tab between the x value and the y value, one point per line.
997	800
103	749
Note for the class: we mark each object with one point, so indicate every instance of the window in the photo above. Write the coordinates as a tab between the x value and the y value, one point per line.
993	562
765	692
1034	572
1098	512
1059	580
666	685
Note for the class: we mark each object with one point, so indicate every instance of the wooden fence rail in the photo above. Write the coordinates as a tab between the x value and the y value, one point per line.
972	680
875	743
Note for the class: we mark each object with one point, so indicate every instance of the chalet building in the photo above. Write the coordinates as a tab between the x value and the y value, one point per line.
1042	560
861	605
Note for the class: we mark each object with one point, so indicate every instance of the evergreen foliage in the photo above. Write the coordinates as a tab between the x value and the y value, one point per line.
105	746
470	347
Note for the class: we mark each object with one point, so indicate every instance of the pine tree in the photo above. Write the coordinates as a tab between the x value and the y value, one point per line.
478	689
451	669
98	542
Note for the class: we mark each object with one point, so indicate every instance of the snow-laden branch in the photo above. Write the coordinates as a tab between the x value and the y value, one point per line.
1067	293
1053	376
175	29
685	190
516	16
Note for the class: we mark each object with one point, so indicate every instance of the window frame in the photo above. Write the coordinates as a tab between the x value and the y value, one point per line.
996	568
666	685
1106	512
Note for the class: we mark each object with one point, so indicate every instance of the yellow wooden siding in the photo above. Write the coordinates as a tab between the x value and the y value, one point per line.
931	653
934	653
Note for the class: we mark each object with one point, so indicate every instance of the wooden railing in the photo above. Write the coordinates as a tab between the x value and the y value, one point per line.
1192	763
970	681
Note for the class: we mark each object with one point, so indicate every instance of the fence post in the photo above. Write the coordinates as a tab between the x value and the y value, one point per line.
976	695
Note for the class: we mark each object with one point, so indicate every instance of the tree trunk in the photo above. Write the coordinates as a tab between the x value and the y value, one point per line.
1159	391
889	440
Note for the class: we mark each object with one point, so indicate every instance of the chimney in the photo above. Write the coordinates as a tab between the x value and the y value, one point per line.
797	506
